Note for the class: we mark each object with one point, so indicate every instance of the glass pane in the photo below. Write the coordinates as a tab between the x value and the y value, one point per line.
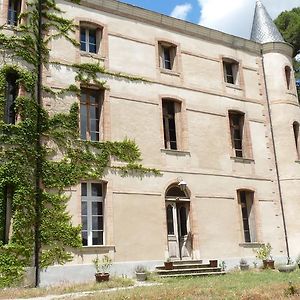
94	125
82	39
93	97
92	36
183	221
83	121
97	208
84	222
83	208
95	136
97	189
92	48
97	237
97	223
84	238
83	189
170	223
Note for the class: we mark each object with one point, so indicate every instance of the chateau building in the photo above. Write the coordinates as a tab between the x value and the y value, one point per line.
217	114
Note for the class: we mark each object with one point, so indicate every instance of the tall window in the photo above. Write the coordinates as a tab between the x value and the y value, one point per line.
10	97
230	68
296	136
167	53
236	120
170	110
7	213
14	9
248	215
89	39
287	71
92	213
90	112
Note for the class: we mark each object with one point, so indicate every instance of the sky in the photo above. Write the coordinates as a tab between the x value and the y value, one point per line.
230	16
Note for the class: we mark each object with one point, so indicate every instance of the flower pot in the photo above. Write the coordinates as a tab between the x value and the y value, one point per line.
268	264
168	265
141	276
213	263
286	268
100	277
244	267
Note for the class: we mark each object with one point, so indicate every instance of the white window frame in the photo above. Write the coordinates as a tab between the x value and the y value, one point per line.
89	199
87	39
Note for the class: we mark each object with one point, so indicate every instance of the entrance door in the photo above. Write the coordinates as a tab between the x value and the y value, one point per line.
179	237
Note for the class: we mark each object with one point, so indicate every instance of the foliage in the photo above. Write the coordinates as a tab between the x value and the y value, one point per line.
291	290
140	269
288	23
102	265
54	142
264	252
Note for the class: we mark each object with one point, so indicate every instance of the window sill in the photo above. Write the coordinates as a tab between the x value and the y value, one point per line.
233	86
169	72
92	55
96	249
251	245
242	160
175	152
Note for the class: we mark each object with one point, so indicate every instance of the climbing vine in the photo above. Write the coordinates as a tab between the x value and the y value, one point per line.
65	159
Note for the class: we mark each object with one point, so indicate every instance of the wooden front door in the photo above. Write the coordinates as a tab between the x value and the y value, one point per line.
178	229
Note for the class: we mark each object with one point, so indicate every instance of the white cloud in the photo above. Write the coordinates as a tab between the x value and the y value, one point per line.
235	16
181	11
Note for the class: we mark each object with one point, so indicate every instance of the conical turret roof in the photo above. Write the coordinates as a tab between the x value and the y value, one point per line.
263	28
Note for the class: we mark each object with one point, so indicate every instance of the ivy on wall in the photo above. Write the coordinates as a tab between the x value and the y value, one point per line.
65	159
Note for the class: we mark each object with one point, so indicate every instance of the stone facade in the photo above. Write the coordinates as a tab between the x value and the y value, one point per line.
135	223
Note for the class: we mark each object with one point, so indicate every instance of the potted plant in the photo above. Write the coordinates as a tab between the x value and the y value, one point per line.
140	273
168	264
244	264
288	267
264	253
102	268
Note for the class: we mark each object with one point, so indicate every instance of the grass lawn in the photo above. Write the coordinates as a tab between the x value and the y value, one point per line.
250	285
12	293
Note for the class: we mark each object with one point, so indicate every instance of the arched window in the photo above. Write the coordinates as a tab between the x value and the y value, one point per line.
287	71
10	97
170	219
296	136
175	192
14	9
236	121
246	198
91	38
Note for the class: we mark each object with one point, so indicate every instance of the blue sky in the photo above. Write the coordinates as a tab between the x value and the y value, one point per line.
231	16
166	7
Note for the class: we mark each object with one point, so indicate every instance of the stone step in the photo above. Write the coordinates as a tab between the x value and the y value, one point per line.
193	274
183	262
188	271
185	266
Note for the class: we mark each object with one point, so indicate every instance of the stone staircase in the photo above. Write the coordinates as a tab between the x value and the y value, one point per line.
190	268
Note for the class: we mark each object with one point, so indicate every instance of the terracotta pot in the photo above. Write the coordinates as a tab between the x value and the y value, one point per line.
100	277
213	263
141	276
268	264
168	265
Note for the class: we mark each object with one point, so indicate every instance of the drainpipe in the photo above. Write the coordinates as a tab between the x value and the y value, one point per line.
38	168
275	158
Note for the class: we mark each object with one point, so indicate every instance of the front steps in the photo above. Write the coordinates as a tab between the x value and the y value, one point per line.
189	268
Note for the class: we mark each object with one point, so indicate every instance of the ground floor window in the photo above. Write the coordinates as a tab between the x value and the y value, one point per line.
92	213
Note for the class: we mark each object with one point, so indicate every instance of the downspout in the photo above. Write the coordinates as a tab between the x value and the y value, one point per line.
38	168
275	158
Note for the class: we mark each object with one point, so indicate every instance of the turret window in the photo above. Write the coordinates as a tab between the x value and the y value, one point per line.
230	68
10	97
296	137
287	70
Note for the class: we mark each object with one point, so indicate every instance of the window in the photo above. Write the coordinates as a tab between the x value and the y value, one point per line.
167	53
14	9
7	214
236	120
230	68
90	38
90	111
296	136
10	96
287	70
171	109
92	213
248	215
